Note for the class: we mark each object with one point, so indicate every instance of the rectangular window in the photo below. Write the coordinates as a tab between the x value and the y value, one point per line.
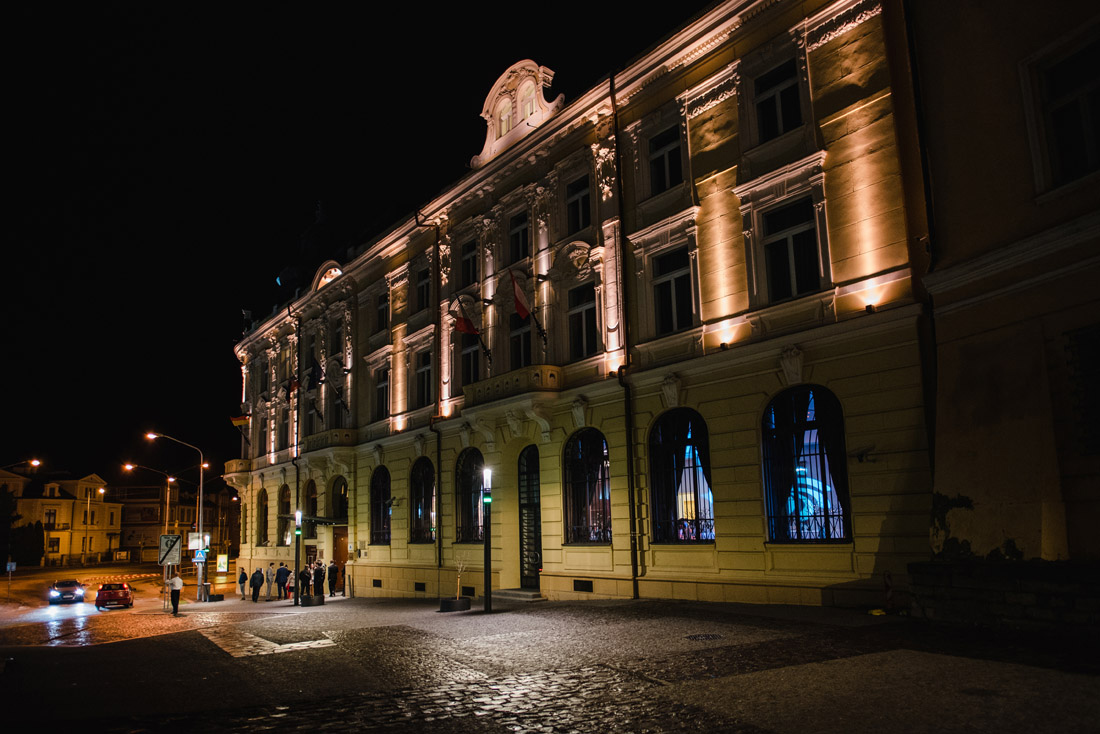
111	520
51	519
790	251
776	95
381	393
672	300
519	238
284	429
664	161
470	347
582	321
519	340
85	520
1071	113
423	378
423	288
578	206
382	312
469	264
336	339
55	545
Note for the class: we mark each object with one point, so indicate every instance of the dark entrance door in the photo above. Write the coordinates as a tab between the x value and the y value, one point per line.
530	519
340	552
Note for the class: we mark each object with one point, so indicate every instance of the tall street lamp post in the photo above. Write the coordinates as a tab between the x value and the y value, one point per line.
87	516
487	504
202	463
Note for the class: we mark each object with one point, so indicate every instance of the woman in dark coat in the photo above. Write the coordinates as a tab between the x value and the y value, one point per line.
319	579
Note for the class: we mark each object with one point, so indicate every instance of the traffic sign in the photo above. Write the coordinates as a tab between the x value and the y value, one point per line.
200	556
170	550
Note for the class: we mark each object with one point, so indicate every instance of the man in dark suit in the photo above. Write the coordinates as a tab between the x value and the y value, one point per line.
333	575
280	579
319	578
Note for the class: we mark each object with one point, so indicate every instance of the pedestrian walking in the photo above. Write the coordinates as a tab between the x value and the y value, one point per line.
304	577
243	580
333	575
290	583
281	576
256	582
319	578
176	585
270	579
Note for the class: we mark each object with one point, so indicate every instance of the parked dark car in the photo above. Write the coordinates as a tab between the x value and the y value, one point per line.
68	590
114	594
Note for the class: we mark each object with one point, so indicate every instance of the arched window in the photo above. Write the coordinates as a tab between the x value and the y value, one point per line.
380	507
504	117
339	503
285	524
527	104
587	488
679	470
310	529
530	518
805	467
470	488
422	501
261	517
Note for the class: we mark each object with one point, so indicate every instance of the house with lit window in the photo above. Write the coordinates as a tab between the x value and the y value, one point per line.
671	328
80	522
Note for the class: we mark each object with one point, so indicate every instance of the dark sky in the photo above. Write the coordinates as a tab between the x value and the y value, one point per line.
169	164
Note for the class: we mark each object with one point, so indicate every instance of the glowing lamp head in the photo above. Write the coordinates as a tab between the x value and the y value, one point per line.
151	436
102	490
128	467
36	462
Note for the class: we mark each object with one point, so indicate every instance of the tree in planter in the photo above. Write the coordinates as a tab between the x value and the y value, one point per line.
460	566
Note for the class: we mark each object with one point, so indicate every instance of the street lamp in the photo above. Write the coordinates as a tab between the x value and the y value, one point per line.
87	515
33	462
202	465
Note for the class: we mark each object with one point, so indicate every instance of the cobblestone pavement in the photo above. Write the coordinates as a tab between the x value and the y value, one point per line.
557	668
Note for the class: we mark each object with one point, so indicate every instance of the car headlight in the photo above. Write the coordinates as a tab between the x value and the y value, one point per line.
55	592
80	592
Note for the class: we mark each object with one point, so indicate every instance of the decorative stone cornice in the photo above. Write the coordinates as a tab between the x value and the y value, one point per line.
715	90
838	19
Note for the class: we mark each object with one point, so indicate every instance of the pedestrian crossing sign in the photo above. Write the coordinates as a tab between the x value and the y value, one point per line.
200	556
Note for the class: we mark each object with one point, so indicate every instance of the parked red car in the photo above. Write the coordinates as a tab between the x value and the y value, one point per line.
114	594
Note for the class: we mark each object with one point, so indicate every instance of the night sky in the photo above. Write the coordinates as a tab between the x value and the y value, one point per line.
170	165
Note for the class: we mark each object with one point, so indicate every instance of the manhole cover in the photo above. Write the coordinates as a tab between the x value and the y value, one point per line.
703	636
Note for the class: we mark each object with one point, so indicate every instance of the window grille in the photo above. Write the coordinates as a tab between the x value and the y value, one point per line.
805	467
261	517
469	484
681	495
422	499
284	525
587	488
380	507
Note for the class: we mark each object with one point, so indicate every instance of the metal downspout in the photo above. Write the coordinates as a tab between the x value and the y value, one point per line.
628	399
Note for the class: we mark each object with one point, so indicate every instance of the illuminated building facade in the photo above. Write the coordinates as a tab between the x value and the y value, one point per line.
696	287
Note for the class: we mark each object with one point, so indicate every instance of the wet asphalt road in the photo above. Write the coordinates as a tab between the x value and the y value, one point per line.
617	666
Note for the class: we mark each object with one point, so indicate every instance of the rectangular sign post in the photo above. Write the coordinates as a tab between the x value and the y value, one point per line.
169	554
223	563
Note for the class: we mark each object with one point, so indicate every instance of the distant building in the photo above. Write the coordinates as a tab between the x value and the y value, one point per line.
79	521
677	318
146	507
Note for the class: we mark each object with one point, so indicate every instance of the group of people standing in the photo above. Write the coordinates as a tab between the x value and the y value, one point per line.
311	577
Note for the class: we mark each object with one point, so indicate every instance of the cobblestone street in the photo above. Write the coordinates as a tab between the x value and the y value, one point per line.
400	666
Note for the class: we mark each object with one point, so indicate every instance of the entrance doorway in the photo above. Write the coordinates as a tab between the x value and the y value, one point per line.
530	519
340	552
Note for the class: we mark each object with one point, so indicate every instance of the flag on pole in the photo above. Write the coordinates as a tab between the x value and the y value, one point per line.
241	420
523	309
463	323
316	375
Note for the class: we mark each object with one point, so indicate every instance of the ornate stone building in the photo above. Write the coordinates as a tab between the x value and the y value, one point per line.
675	317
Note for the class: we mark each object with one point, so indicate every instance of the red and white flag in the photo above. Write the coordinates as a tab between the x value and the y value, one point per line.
523	309
463	323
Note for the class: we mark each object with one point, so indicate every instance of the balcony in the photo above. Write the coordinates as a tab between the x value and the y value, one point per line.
237	466
536	378
52	526
335	437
